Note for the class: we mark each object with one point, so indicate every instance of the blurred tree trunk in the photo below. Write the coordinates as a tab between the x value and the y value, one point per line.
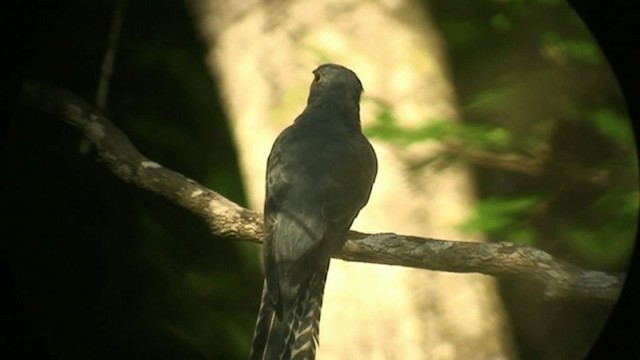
262	53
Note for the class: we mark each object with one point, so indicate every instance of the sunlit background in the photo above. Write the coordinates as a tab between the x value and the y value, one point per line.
493	121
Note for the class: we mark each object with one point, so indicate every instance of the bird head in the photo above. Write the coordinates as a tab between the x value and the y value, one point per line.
333	81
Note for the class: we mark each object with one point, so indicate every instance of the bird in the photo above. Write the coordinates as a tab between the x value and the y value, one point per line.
320	173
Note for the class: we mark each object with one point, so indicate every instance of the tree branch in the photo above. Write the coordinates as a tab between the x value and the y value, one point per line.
532	165
225	218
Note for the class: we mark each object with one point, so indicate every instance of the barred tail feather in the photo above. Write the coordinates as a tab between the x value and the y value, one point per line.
296	336
266	328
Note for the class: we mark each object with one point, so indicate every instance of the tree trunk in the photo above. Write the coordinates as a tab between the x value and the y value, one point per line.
262	54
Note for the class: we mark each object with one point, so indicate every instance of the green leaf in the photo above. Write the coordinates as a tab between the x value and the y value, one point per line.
500	22
488	98
605	247
608	240
499	214
583	51
613	125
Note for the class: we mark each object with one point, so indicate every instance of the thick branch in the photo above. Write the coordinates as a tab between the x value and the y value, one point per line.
225	218
558	280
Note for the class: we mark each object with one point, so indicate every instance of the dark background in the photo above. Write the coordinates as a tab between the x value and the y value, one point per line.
96	268
99	268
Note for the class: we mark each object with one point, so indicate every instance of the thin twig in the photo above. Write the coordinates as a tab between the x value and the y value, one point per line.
108	61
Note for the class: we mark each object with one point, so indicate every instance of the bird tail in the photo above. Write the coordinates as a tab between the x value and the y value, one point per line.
295	335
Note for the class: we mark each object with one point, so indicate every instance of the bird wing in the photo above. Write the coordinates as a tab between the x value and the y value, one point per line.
349	183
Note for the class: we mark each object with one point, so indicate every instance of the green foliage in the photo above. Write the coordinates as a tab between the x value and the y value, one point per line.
387	128
488	98
581	50
532	84
544	129
459	33
501	22
610	239
614	125
503	214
